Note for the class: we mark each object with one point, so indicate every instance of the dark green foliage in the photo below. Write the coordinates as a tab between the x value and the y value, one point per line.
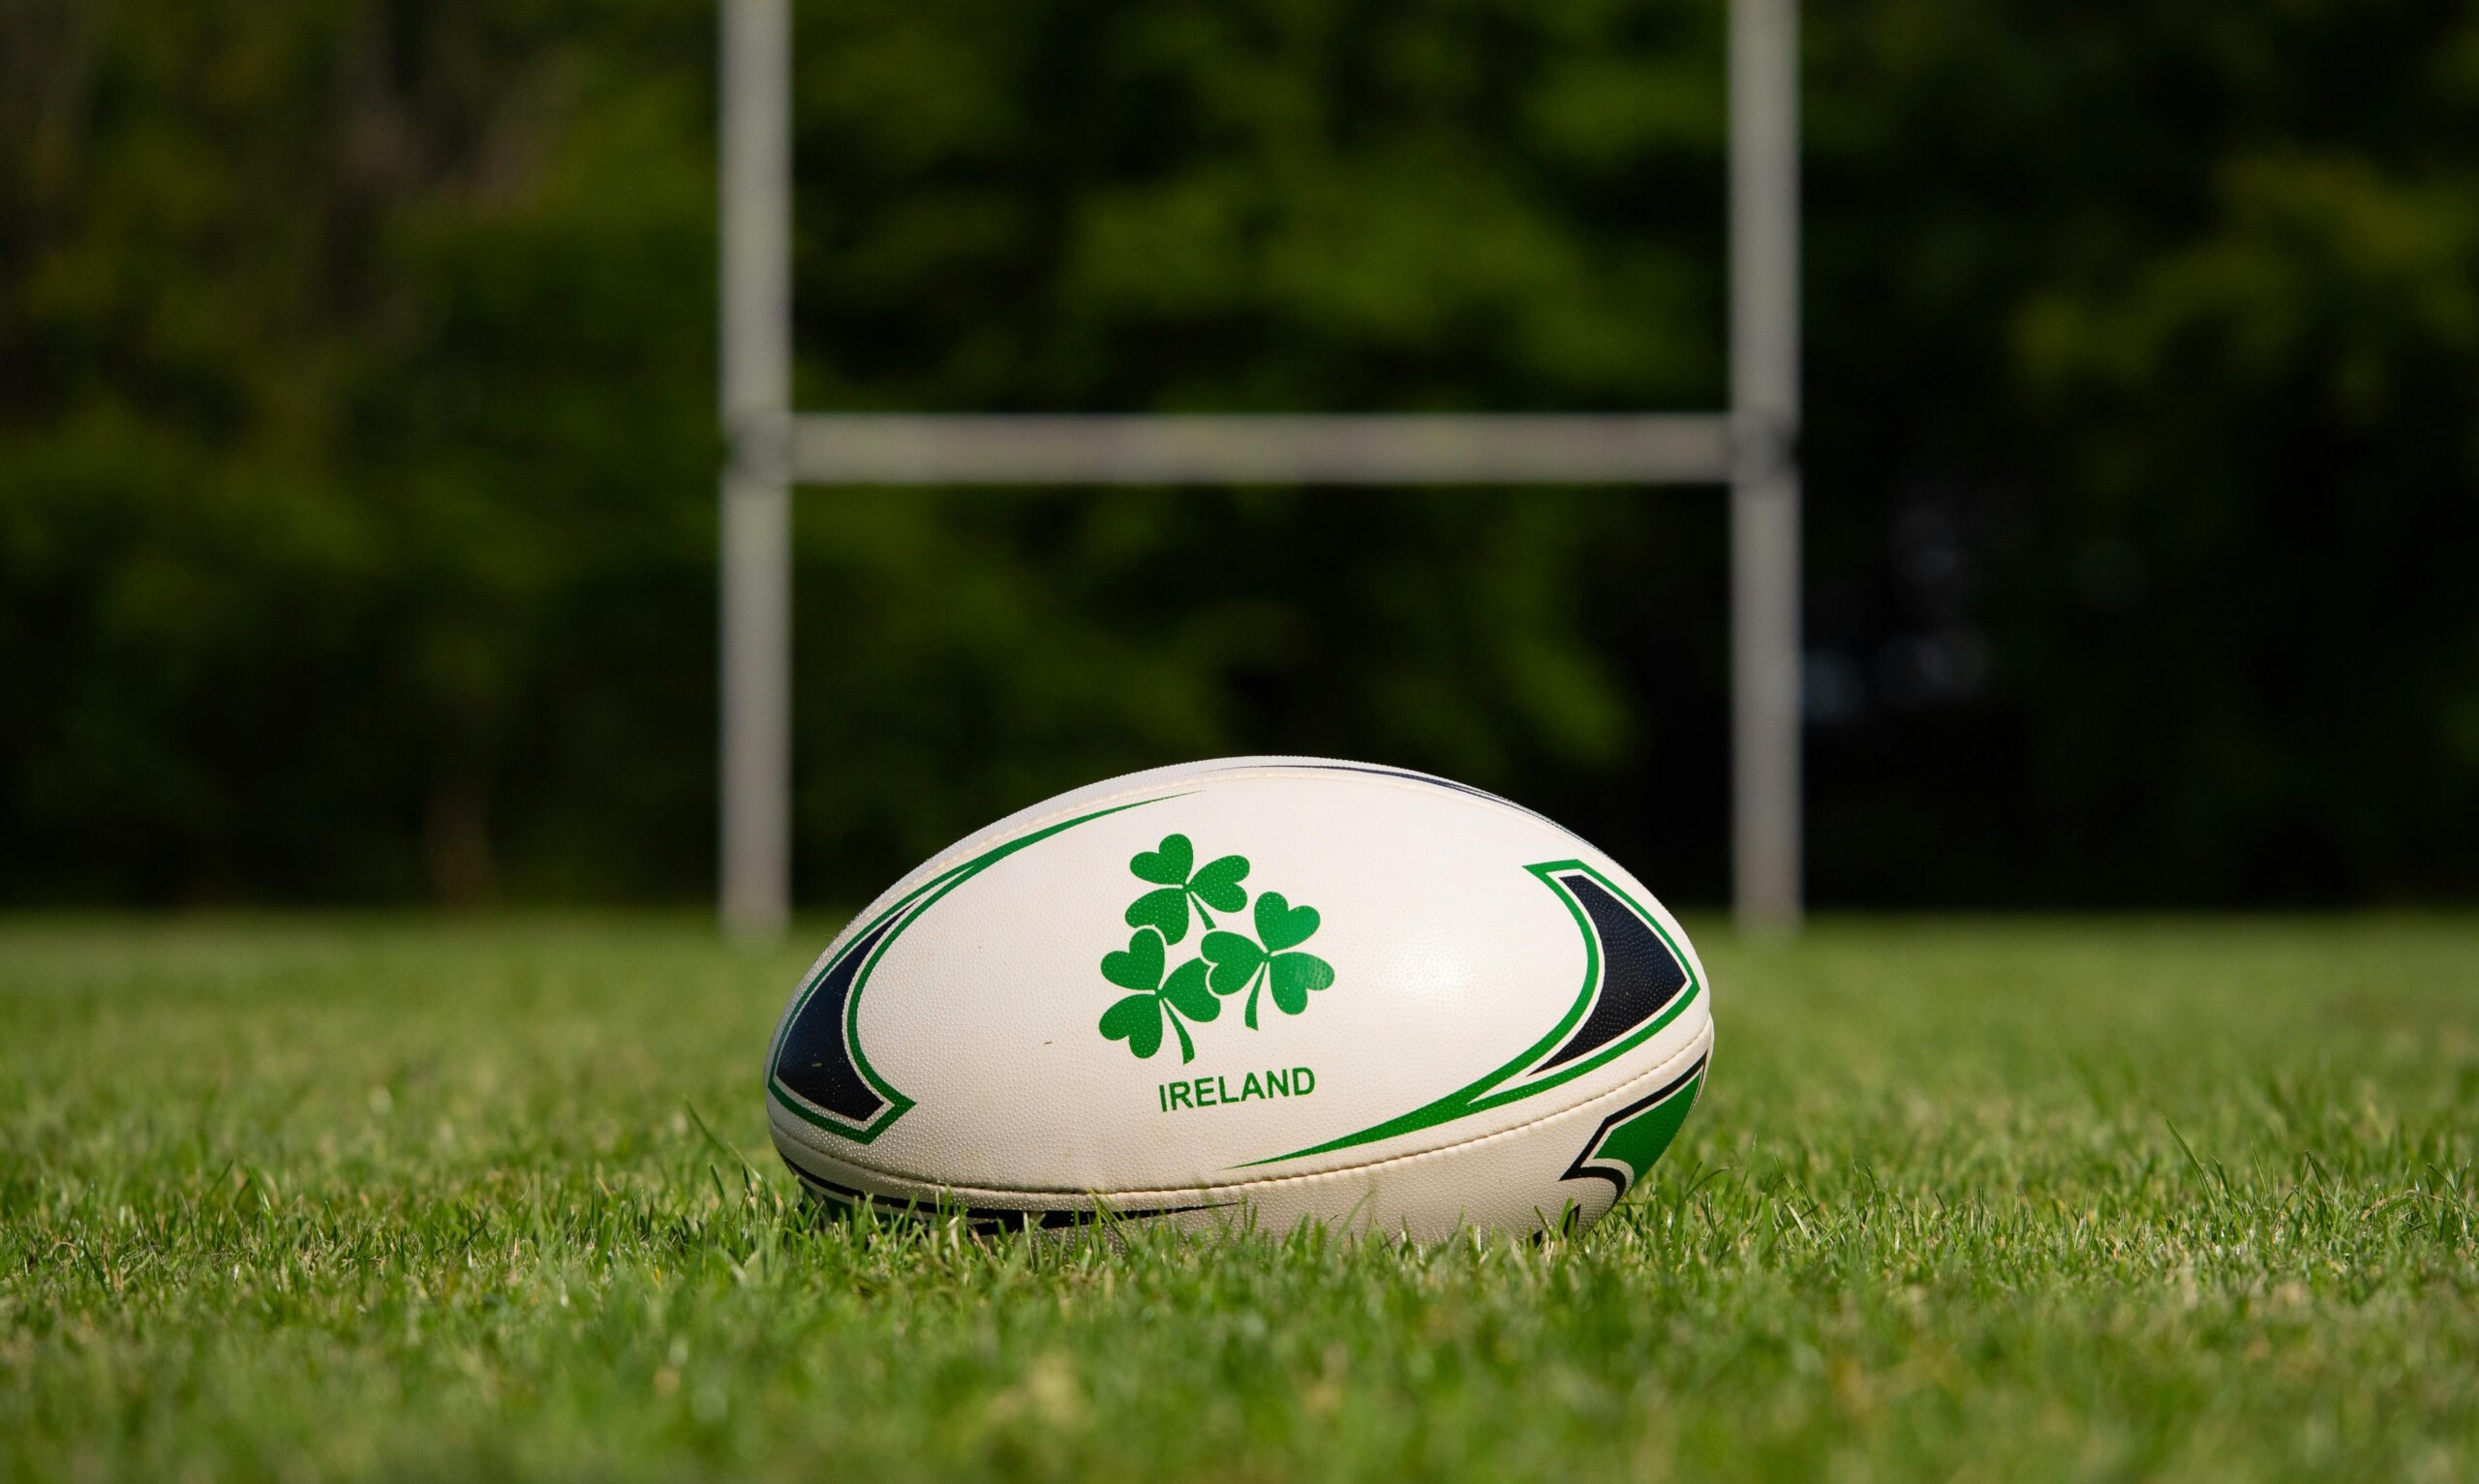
350	448
2004	1200
356	444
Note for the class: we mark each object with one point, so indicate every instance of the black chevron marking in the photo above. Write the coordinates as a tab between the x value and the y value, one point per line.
1639	975
815	1062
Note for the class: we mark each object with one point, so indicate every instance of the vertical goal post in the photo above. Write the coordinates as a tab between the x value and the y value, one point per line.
1751	449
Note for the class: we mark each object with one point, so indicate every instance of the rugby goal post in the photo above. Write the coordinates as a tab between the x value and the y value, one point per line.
1751	449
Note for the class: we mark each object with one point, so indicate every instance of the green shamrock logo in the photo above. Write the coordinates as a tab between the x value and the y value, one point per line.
1240	963
1138	1018
1167	866
1228	961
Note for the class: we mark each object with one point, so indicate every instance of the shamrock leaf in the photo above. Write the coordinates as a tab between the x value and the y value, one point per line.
1185	992
1137	967
1293	976
1218	887
1281	925
1236	962
1136	1019
1165	909
1167	865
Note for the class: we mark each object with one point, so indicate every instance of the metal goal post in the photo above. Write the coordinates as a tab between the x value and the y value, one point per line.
1752	449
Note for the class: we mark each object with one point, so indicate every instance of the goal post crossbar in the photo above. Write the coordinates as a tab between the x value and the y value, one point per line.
1174	449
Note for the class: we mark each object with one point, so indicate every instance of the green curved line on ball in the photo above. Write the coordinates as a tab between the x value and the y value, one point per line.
915	903
1492	1090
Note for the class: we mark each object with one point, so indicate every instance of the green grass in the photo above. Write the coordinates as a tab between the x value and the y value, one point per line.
2004	1201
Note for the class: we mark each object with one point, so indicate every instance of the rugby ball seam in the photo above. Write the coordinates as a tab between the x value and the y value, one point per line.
1371	775
1700	1045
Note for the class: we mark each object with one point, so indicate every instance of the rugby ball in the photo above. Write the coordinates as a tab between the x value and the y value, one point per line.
1254	991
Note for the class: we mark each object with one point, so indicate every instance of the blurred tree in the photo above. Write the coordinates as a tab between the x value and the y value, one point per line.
2149	345
349	390
356	452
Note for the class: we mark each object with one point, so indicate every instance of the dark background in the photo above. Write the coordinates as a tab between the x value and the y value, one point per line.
358	441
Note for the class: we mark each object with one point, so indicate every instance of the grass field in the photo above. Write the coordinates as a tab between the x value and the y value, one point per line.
2004	1201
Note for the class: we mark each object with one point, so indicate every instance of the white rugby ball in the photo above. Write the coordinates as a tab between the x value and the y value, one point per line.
1266	990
